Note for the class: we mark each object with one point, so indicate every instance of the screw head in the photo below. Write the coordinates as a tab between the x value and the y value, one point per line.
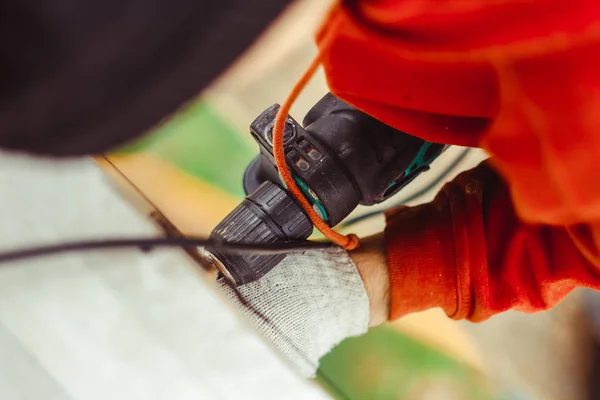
289	131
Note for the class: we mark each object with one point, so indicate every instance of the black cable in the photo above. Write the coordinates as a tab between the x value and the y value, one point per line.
443	175
147	244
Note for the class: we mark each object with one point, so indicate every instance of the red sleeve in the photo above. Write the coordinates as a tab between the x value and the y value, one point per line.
518	78
469	253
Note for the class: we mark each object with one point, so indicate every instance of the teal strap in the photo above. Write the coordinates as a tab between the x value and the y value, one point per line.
419	160
313	200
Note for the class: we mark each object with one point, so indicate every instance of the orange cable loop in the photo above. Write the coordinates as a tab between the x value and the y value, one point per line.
349	242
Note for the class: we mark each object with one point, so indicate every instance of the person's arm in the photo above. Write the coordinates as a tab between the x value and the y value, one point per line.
468	253
516	78
483	74
371	262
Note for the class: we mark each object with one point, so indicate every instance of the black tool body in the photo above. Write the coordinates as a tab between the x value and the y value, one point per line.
340	157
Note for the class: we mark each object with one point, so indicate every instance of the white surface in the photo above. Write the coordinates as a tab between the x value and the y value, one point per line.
119	324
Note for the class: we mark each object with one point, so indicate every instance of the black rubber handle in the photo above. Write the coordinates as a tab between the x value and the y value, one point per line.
268	215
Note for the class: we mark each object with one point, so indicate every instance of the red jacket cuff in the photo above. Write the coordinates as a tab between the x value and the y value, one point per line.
421	258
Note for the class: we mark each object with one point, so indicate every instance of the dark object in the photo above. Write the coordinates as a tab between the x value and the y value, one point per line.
81	77
151	243
268	215
341	158
417	195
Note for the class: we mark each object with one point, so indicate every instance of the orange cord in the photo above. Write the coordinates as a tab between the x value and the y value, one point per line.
349	242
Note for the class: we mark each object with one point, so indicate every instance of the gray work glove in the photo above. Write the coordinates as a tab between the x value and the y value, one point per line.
306	305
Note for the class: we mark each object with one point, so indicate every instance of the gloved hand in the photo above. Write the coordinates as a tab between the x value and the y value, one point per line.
306	305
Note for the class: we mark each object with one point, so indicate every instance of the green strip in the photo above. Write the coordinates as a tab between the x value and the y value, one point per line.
313	200
419	161
387	365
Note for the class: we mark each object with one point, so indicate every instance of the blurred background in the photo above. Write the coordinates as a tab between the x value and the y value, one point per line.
191	169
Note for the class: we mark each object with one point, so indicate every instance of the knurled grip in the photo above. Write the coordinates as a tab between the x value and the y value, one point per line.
267	215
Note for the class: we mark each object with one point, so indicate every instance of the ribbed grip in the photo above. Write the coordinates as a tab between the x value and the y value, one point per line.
268	215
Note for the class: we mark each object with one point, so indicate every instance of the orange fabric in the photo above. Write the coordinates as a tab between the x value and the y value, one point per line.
519	78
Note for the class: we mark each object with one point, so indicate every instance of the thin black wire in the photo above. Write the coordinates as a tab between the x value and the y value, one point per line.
443	175
147	244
